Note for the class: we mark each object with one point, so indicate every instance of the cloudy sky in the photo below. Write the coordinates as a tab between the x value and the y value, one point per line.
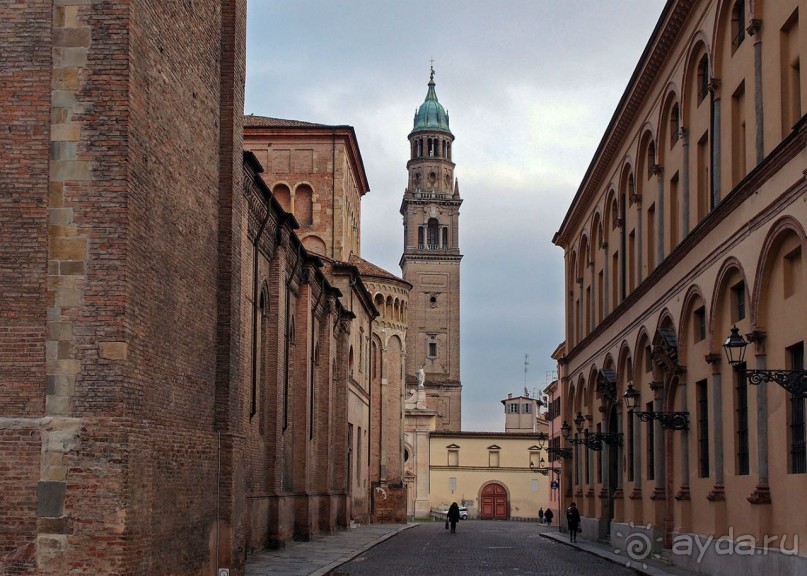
529	85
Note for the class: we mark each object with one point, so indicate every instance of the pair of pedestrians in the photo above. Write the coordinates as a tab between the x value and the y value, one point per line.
545	517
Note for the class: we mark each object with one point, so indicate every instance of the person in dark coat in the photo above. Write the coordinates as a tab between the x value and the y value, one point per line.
573	518
548	516
453	516
541	515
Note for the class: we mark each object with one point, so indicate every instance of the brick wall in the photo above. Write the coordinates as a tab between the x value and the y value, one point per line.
25	78
123	122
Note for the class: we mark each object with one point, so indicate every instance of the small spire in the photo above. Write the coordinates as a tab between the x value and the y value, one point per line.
431	69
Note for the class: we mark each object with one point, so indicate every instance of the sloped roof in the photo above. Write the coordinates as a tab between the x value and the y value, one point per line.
369	269
266	121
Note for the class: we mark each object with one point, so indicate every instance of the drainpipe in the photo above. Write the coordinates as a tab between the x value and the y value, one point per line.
333	194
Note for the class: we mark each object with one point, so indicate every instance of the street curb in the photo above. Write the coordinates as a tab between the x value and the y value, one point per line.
326	570
636	566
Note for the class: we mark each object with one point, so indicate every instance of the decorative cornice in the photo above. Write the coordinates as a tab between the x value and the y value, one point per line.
665	35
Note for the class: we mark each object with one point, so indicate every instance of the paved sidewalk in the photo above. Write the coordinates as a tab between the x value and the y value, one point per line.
648	566
323	554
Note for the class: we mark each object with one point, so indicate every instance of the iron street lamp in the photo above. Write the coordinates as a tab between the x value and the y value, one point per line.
543	468
794	381
554	452
591	440
669	420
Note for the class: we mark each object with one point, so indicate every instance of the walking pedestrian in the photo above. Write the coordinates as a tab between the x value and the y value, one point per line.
548	516
573	518
541	515
453	516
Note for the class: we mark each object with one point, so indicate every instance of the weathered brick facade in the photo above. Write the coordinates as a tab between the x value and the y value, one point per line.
176	365
123	123
316	171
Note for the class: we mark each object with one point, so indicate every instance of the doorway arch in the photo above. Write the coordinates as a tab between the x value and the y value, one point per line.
494	503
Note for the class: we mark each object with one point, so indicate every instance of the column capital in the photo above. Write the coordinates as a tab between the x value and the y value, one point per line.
754	28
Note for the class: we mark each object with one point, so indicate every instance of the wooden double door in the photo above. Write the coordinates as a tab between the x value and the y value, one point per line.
494	504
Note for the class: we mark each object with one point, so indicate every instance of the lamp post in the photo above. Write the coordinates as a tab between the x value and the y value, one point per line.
794	381
542	438
591	440
669	420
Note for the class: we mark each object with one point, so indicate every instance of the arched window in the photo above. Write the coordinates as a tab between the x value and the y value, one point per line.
675	124
703	78
283	195
432	233
737	25
303	205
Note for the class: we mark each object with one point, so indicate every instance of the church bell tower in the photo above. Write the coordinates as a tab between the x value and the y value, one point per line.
431	262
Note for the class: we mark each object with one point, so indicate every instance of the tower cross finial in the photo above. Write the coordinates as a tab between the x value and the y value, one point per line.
431	66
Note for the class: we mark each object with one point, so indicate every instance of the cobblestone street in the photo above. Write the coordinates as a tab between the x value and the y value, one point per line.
478	547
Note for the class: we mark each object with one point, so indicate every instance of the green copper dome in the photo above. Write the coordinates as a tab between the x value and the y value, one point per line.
431	115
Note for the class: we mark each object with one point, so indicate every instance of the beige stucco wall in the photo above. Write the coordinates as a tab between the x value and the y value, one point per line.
526	489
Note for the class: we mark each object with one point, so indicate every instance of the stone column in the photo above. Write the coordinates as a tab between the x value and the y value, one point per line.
762	491
684	215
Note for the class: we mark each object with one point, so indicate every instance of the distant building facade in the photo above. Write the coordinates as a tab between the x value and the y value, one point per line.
690	220
496	475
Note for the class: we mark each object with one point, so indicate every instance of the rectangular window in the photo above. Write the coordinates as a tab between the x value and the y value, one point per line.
651	238
358	454
631	261
453	457
703	188
512	408
702	401
432	349
493	458
798	455
790	73
527	408
742	422
631	447
452	484
738	302
534	485
792	273
699	324
651	438
674	211
600	298
738	132
599	458
614	287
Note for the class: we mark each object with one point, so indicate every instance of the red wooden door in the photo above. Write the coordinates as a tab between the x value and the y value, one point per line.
494	503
